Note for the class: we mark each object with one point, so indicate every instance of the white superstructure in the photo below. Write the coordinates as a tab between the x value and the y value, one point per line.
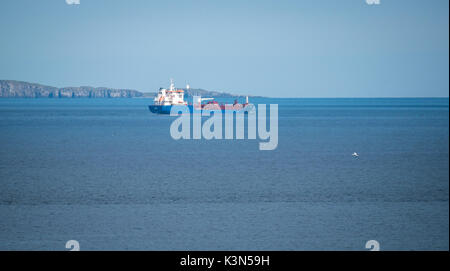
170	96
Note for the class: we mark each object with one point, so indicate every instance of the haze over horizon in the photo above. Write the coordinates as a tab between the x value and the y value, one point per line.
264	48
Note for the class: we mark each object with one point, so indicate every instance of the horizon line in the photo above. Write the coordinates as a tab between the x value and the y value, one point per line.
255	96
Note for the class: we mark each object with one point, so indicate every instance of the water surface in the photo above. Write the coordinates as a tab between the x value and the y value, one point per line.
107	173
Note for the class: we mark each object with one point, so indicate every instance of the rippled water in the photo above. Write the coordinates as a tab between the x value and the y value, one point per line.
107	173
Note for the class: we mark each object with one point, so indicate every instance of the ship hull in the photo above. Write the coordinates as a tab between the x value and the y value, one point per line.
165	109
160	109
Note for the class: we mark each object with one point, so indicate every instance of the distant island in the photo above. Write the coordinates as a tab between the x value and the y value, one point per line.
19	89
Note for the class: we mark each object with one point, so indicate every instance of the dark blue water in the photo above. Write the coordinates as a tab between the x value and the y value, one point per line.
106	172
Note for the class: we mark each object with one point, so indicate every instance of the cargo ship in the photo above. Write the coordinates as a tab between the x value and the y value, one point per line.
172	97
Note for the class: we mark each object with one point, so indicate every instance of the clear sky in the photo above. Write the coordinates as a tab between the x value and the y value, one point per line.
279	48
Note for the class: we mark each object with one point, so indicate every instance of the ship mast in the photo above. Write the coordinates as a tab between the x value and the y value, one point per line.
171	84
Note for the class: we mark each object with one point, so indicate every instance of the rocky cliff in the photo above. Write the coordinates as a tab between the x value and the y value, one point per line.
18	89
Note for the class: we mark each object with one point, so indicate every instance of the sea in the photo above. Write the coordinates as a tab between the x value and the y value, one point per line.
108	174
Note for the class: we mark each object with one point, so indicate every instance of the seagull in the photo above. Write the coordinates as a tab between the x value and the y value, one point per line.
355	154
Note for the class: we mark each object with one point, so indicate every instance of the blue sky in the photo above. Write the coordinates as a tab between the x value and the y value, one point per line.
309	48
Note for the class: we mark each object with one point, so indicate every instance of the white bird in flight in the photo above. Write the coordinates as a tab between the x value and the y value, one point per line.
355	154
